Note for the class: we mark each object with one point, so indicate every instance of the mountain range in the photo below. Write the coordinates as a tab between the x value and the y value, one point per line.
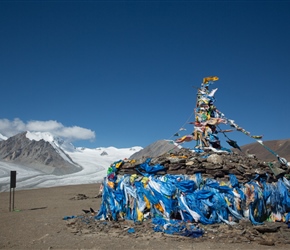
43	160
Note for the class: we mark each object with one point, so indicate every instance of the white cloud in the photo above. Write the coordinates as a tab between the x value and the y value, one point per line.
42	126
10	128
76	133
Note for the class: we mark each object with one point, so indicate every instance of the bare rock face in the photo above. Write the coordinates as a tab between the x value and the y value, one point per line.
39	155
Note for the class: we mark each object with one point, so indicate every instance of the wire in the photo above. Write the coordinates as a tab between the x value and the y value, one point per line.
182	125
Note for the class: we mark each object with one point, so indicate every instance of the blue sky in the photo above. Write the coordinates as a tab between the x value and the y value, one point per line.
121	73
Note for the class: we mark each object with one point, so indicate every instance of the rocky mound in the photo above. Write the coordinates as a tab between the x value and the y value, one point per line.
217	165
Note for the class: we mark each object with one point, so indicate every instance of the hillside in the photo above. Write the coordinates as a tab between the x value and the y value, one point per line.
281	147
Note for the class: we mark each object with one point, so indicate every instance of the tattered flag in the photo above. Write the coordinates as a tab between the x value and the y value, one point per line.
186	138
226	130
257	136
233	144
209	79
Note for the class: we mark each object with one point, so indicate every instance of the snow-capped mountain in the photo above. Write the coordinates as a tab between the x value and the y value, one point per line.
42	160
56	142
38	152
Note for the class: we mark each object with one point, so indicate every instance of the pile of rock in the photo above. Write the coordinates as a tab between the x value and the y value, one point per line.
217	165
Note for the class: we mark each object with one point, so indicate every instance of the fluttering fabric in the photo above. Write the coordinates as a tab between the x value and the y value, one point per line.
207	117
192	199
185	138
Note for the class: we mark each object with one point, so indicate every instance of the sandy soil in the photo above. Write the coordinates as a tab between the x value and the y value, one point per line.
37	223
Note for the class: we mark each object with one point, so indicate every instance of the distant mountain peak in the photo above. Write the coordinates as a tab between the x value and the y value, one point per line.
37	136
37	150
55	141
104	153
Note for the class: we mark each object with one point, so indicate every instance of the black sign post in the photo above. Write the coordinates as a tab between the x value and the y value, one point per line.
12	188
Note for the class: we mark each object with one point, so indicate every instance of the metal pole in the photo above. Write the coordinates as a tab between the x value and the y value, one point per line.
10	201
13	199
12	186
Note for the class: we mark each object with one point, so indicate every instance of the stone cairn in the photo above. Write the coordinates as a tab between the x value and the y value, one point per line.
211	165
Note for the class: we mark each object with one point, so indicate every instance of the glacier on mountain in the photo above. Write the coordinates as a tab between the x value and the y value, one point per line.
94	165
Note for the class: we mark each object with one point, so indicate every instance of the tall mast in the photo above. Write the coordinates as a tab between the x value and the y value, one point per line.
206	116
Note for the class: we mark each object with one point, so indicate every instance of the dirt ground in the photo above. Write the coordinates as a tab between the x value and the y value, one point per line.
37	222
